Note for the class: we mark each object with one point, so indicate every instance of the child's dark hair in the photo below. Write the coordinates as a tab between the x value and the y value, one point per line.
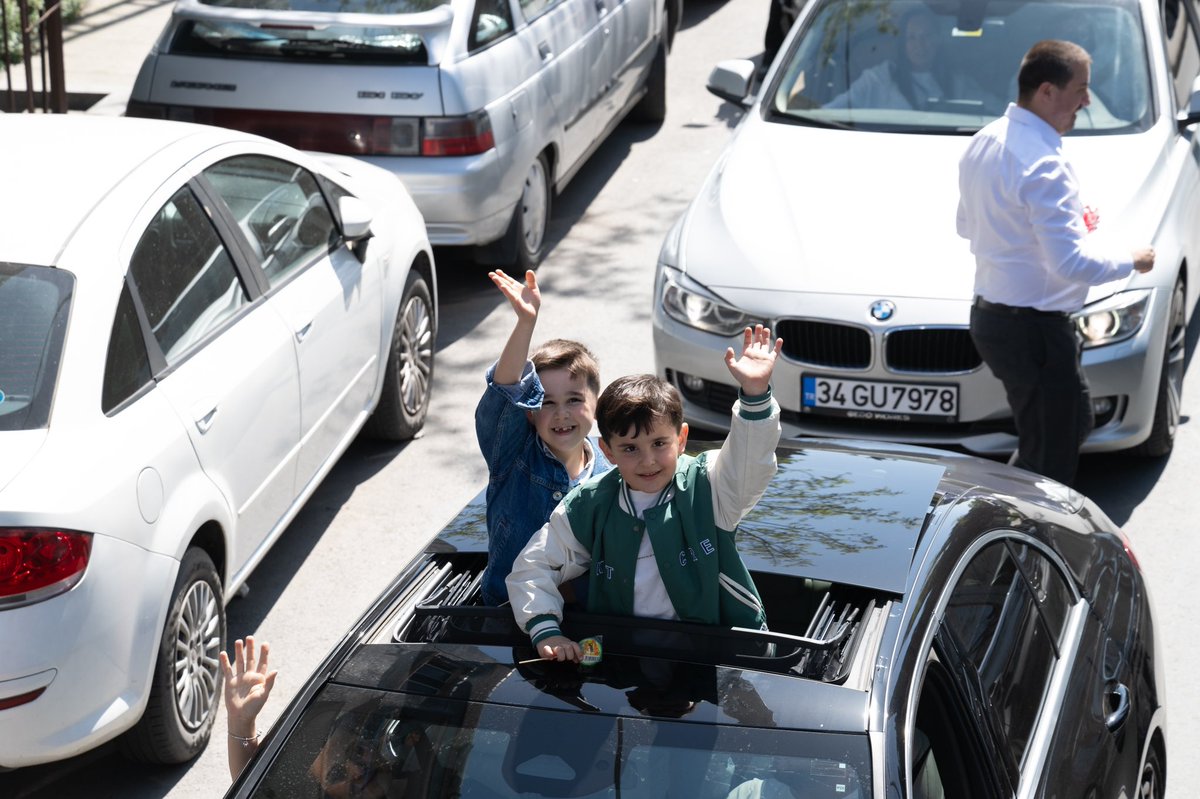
635	403
578	360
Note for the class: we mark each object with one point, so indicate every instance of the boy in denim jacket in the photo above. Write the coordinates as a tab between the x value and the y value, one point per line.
532	424
657	533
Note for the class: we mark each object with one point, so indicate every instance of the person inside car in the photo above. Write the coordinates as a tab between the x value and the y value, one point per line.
533	424
657	533
917	78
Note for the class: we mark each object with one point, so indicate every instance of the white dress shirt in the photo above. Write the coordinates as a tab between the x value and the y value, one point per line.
1019	207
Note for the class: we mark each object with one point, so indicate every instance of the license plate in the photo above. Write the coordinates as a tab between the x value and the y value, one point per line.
878	400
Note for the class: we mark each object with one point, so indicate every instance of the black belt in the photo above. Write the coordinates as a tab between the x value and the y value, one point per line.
1016	310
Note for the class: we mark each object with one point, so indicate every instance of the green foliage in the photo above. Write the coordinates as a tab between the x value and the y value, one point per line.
72	9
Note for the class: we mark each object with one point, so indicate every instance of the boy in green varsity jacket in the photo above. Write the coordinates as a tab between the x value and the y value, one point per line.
657	532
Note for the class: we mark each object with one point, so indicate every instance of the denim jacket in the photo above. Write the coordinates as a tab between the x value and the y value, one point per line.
525	481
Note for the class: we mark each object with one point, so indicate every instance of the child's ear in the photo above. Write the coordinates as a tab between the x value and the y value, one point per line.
607	452
683	433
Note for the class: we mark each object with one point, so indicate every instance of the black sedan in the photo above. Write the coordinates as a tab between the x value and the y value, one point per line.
941	626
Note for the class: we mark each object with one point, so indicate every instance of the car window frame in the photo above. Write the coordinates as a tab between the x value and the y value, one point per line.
251	261
1028	771
473	44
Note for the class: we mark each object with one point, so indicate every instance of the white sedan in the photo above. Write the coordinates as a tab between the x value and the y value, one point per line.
831	217
194	325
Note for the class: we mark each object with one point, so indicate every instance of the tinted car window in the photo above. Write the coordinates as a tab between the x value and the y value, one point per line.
493	20
357	44
184	276
1182	52
356	742
855	63
126	367
280	209
998	623
34	304
533	9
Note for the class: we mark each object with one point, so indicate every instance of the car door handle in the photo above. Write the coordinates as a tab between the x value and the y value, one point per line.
1117	696
545	51
303	332
204	421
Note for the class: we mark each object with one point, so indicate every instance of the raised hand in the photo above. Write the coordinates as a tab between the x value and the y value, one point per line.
754	368
525	298
248	684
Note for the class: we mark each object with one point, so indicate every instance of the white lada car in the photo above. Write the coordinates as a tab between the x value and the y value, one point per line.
831	217
484	108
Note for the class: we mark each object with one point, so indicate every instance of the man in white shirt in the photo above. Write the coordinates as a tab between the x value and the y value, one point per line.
1019	207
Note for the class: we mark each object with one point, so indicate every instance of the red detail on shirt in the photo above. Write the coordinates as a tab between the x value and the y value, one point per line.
1091	218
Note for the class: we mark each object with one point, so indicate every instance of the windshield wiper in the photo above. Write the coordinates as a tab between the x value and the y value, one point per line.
801	118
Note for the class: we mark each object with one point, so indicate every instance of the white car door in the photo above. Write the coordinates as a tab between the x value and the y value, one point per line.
570	41
330	302
632	26
226	365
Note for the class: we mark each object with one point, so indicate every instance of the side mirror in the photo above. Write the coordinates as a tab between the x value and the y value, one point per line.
1185	119
356	218
731	80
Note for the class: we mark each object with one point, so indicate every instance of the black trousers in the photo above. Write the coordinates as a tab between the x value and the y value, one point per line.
1036	356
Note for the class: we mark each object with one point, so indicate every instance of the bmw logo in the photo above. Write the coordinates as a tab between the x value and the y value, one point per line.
883	310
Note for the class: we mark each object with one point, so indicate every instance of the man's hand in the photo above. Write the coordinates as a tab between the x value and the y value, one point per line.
559	647
753	370
525	298
1143	259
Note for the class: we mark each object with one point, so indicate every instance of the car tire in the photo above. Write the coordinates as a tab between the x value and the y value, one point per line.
1153	782
652	108
1169	402
408	379
185	689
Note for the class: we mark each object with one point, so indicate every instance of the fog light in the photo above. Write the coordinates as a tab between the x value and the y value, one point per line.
1103	405
692	383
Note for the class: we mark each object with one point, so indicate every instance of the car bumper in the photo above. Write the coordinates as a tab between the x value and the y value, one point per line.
464	201
1123	378
92	649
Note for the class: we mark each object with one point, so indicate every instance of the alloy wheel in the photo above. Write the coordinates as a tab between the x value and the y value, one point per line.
197	646
416	353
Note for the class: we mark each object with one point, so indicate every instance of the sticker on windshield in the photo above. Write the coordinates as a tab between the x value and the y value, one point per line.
1	397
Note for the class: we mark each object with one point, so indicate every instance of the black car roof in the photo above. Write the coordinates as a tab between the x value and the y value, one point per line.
831	513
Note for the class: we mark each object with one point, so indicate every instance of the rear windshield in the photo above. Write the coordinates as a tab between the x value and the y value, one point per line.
34	301
349	43
356	742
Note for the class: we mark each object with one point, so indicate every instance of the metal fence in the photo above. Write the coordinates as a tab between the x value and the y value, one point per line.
35	81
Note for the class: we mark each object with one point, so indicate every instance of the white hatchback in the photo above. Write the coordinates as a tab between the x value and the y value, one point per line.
484	107
831	217
194	325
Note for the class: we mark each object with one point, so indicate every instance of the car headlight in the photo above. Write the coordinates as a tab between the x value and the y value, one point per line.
1113	319
688	302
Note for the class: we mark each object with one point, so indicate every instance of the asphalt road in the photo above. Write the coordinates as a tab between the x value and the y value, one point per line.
381	503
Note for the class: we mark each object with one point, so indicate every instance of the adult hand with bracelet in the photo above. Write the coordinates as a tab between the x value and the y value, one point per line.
248	684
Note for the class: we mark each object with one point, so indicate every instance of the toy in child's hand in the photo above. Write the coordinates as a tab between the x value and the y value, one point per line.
593	650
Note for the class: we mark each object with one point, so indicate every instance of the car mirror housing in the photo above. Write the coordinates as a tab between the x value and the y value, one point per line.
730	80
356	218
1185	119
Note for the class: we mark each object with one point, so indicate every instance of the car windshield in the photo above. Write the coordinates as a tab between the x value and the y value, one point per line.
350	43
356	742
34	302
951	67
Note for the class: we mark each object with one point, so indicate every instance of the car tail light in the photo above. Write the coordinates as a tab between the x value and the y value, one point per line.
345	134
20	699
38	563
469	135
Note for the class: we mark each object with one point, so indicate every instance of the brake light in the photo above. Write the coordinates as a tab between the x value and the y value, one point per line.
38	563
469	135
20	699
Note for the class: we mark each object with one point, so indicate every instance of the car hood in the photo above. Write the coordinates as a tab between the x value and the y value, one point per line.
19	447
789	208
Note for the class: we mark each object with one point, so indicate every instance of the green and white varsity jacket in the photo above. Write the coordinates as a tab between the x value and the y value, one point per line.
691	530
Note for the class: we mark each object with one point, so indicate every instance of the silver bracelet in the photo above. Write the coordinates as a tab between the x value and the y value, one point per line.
245	742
